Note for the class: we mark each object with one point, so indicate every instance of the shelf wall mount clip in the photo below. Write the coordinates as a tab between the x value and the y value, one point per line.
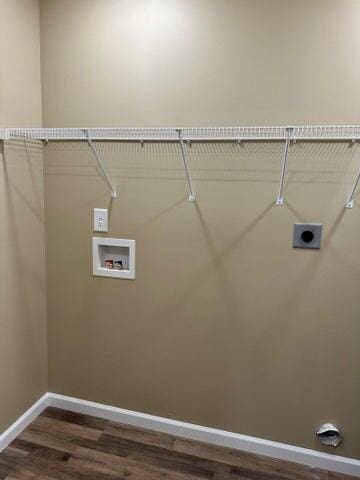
186	165
101	165
280	197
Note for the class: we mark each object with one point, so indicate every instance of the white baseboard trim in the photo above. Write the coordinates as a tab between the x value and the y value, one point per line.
214	436
21	423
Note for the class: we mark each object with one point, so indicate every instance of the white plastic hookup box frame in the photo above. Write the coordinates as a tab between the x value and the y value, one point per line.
115	249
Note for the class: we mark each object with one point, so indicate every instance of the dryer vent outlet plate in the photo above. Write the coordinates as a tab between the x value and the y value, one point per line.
307	235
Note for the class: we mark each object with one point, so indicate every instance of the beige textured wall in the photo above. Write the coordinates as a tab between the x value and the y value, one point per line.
225	325
20	75
161	62
23	356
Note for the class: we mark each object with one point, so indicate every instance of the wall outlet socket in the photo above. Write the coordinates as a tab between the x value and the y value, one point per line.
100	220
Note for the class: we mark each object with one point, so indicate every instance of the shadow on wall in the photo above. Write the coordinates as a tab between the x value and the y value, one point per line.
322	162
154	165
22	281
22	173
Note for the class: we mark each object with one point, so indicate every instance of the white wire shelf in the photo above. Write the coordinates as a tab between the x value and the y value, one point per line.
305	132
287	134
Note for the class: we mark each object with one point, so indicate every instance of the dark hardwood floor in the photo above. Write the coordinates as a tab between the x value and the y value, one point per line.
64	445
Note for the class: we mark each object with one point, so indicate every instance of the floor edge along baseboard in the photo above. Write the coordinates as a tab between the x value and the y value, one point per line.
213	436
24	421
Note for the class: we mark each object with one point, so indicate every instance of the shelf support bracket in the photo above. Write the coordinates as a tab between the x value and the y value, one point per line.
350	200
100	163
186	166
280	197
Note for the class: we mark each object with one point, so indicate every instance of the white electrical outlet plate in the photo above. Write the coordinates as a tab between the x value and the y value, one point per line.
100	220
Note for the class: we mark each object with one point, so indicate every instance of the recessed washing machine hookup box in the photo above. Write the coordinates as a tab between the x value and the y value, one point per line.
113	257
307	235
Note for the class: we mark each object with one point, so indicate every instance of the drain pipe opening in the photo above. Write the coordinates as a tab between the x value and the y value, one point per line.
329	434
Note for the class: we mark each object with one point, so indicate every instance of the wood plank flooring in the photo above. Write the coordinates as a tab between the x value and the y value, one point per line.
62	445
